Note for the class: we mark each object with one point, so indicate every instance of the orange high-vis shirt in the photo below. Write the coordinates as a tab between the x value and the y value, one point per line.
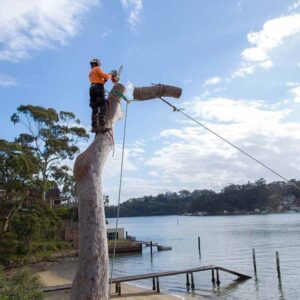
98	76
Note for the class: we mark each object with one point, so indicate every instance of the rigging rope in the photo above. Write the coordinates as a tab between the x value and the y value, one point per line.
228	142
119	197
175	109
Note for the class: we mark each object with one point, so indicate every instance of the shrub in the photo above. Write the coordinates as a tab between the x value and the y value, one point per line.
21	286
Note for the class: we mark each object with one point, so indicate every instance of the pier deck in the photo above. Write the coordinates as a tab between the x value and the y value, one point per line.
155	278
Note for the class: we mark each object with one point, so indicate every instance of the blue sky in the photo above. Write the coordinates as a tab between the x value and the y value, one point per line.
238	63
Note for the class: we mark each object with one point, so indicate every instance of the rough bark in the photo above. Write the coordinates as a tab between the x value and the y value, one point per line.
92	278
156	91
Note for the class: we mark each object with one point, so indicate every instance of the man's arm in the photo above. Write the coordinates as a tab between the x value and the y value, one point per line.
104	75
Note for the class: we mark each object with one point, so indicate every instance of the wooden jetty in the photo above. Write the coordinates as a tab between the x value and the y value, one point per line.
151	244
155	278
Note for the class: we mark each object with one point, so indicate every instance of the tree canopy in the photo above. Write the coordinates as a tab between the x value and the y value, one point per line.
52	136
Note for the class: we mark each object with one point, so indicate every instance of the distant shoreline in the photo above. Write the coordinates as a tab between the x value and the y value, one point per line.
212	215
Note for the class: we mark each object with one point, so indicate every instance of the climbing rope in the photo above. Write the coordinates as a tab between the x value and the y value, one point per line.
119	197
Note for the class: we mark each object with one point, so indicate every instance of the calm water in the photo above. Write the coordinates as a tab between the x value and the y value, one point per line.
226	241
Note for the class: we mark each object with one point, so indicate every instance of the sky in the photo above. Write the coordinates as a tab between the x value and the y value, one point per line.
237	61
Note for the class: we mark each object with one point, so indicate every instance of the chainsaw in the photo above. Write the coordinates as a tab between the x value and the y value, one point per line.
116	74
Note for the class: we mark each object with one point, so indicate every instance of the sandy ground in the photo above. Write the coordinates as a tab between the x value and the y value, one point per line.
128	292
58	274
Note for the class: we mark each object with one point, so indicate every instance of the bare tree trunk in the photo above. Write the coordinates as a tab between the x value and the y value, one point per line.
156	91
7	219
92	278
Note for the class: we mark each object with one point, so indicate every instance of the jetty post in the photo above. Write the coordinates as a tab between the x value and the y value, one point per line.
213	280
157	285
278	265
187	280
254	262
218	277
192	281
151	248
153	284
199	246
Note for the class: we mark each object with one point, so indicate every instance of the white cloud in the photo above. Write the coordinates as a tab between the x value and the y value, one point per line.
213	80
134	187
194	158
134	9
263	42
33	25
242	72
271	36
296	92
6	80
266	64
294	6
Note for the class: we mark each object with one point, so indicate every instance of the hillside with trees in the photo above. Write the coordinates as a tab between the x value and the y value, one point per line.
232	199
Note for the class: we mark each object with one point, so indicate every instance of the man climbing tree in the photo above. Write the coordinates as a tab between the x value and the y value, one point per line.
97	95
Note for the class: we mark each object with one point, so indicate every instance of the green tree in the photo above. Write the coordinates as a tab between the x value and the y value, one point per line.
52	135
66	181
18	165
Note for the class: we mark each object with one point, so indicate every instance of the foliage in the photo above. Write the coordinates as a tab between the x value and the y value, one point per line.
232	199
29	226
52	136
68	213
18	166
21	286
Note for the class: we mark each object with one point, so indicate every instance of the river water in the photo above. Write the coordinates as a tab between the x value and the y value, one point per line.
226	241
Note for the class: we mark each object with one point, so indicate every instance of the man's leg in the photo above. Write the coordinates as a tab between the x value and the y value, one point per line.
95	109
101	102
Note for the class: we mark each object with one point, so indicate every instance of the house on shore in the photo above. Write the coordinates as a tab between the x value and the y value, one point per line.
124	243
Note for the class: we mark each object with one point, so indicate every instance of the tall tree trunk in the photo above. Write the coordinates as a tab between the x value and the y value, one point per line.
92	278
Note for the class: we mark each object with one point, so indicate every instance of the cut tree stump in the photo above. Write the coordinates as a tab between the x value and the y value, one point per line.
156	91
91	281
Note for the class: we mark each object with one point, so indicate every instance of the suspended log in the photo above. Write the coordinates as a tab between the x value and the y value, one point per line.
92	278
156	91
